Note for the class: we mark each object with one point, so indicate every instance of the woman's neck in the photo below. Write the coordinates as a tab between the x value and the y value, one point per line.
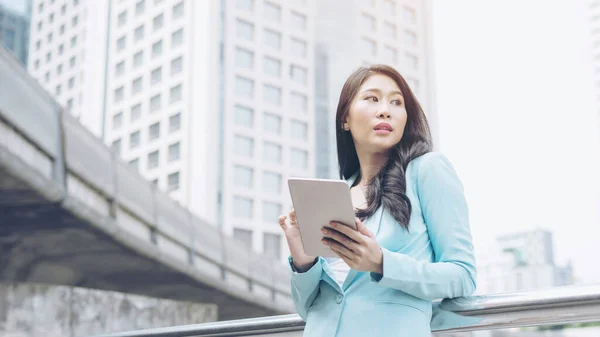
370	165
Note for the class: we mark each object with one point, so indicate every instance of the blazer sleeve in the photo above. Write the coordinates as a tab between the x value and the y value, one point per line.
445	213
305	286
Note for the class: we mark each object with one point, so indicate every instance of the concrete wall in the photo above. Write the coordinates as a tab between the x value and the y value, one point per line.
28	310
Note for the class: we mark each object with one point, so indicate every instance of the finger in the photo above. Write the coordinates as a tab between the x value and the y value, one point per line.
346	230
362	228
332	234
338	248
282	222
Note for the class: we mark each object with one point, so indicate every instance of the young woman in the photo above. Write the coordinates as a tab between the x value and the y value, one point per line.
413	243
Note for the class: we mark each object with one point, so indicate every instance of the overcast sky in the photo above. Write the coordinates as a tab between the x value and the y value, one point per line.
519	122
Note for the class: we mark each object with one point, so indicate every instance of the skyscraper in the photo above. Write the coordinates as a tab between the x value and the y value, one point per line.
362	32
594	17
14	27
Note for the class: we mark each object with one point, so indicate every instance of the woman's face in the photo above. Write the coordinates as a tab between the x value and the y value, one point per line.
377	115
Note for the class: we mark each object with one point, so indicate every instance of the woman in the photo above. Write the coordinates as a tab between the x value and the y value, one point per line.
413	243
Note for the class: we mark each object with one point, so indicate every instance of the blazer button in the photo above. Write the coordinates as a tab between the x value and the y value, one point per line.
339	298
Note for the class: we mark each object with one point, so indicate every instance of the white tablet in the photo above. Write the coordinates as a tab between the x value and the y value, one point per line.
318	202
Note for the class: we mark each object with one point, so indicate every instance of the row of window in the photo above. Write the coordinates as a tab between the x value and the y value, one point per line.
272	12
272	123
244	176
389	54
63	8
173	180
175	95
156	73
153	158
60	52
271	38
177	11
74	21
389	7
389	30
243	146
154	130
244	88
271	241
157	47
244	59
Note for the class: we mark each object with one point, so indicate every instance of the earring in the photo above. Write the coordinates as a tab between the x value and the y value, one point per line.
346	126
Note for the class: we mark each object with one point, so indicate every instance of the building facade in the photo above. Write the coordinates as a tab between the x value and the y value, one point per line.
594	24
14	27
521	262
362	32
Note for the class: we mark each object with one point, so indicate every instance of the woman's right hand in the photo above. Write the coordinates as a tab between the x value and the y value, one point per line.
301	260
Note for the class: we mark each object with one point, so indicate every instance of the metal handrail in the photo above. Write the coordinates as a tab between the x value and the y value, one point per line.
561	305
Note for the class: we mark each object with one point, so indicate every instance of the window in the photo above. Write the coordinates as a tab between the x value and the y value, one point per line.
153	160
245	30
72	62
59	69
244	235
369	47
412	61
389	7
390	54
272	123
173	181
136	85
271	211
39	26
299	158
272	245
119	94
272	67
47	77
120	69
298	74
156	76
139	7
49	37
75	21
243	176
41	7
138	59
244	58
368	23
177	38
175	94
298	48
298	21
410	38
58	90
272	153
117	121
178	10
177	65
244	116
48	57
174	152
139	33
116	146
136	112
272	39
122	18
409	15
272	94
155	103
38	45
71	82
272	12
243	207
37	64
244	87
298	102
271	182
135	164
70	103
61	30
157	49
245	5
51	18
158	22
175	122
74	41
121	43
389	30
299	130
243	146
134	140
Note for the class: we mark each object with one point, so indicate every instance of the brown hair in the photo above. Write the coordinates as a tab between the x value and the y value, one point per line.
388	187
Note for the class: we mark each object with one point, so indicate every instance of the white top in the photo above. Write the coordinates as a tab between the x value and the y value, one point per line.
340	269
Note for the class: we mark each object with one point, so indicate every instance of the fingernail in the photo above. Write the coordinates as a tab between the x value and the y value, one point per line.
324	231
324	241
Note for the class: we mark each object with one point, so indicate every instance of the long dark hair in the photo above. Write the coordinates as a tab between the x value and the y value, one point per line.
388	187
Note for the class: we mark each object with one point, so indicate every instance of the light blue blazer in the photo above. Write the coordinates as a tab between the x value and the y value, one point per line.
433	260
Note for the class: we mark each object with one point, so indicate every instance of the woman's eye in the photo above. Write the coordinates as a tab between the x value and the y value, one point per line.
372	98
397	102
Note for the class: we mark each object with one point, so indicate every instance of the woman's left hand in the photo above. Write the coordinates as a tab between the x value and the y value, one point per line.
358	248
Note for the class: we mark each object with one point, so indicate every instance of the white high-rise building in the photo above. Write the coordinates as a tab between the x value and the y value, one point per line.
67	55
594	17
351	33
